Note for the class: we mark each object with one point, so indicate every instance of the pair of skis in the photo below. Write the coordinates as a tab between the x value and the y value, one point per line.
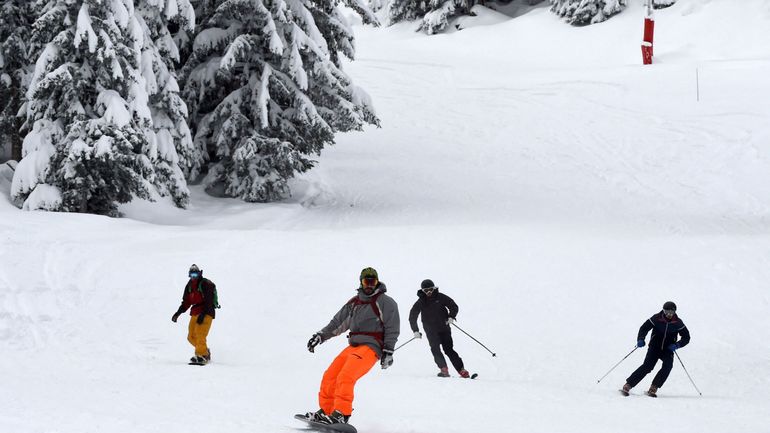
626	393
472	376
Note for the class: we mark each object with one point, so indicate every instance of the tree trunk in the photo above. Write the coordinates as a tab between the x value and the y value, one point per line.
16	146
14	136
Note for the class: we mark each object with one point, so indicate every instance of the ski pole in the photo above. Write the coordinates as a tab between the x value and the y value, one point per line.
404	344
688	374
477	341
624	358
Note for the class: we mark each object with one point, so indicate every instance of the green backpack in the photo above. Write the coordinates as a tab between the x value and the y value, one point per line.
216	295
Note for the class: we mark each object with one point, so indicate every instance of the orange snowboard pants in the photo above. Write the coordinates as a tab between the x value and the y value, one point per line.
341	376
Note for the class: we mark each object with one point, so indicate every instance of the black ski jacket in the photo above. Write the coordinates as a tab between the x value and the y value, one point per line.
664	331
435	309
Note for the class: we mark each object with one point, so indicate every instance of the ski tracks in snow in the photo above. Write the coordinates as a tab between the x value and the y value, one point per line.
36	309
591	148
32	304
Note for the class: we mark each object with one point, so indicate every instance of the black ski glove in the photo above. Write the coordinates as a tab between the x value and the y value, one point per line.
201	317
314	341
387	358
174	317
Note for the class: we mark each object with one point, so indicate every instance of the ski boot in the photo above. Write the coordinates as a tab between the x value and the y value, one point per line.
444	372
653	391
626	390
464	374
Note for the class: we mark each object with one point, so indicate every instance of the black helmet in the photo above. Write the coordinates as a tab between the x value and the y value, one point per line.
669	306
427	287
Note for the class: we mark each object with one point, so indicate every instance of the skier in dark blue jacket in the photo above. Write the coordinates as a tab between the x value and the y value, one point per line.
438	312
666	328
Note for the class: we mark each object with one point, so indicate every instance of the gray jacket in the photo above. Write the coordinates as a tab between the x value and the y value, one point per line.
358	315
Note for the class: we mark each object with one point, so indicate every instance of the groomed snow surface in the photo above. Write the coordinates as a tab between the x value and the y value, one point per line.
559	191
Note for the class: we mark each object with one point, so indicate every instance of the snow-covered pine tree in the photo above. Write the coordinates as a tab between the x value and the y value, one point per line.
584	12
435	14
16	17
662	4
266	91
334	29
172	151
407	10
377	5
443	10
87	110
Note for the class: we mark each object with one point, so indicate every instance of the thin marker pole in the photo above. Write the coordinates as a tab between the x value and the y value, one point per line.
697	85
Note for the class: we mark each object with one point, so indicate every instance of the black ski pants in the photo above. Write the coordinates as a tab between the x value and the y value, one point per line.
439	339
653	355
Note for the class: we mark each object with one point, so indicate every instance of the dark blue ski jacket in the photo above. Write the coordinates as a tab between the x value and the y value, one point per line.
664	331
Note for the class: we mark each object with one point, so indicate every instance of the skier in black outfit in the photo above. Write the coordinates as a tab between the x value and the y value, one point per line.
438	312
666	327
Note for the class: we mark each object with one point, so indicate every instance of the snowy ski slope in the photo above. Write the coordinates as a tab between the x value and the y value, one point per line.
559	191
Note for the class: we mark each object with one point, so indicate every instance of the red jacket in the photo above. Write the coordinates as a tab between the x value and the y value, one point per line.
198	294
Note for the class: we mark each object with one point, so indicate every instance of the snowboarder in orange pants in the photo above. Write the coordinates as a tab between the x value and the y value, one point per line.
373	321
339	379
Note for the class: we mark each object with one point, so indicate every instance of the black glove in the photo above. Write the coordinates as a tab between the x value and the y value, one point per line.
314	341
174	317
201	317
387	358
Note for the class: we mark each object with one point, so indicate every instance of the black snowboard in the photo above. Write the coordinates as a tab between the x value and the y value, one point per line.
332	428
